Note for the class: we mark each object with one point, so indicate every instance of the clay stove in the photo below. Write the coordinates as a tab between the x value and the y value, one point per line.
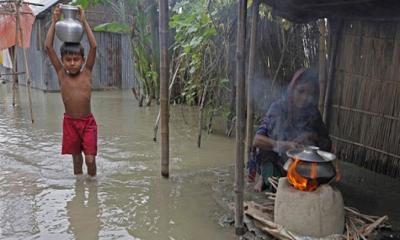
306	204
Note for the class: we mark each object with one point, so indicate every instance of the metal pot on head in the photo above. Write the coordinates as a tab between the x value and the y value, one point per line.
69	29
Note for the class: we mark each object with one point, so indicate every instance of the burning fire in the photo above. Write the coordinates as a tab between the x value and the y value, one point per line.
300	182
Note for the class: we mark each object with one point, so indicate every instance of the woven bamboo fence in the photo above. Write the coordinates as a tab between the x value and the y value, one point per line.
365	108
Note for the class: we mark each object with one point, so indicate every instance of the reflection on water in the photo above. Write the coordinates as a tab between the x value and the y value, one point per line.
41	199
83	211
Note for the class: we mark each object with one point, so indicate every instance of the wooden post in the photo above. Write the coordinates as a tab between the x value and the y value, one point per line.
250	78
240	115
164	77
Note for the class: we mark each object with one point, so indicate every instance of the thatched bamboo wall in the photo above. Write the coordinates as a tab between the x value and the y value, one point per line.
365	108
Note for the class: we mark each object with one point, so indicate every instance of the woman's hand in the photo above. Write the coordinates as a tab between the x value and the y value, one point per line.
82	16
56	14
283	146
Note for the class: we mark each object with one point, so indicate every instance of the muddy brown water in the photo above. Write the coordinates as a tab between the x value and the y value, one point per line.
41	199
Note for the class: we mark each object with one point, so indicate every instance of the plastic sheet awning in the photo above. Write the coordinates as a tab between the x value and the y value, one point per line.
8	27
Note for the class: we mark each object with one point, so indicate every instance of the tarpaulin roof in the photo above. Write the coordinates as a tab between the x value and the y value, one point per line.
308	10
8	28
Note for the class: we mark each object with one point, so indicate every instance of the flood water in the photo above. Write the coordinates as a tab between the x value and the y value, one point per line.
41	199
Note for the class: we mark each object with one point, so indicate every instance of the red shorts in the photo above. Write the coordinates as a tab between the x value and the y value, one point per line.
79	134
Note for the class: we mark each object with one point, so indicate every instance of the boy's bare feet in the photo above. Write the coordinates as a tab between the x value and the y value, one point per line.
91	178
79	177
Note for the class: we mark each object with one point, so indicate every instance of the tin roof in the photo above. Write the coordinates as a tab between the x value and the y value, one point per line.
38	9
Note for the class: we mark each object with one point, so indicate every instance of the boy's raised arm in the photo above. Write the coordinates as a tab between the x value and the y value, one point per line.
50	39
92	41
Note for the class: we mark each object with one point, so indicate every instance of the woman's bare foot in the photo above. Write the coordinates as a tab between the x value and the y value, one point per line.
251	177
259	186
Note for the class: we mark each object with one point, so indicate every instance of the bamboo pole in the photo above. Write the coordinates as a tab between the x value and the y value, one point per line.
370	113
250	78
285	42
155	53
17	73
335	28
25	2
365	146
15	76
155	128
28	85
240	114
27	73
201	109
322	63
13	13
164	77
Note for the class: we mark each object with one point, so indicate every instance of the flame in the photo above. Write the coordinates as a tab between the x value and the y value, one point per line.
300	182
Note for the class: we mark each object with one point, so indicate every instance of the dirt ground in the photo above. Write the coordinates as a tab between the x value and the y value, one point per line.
371	193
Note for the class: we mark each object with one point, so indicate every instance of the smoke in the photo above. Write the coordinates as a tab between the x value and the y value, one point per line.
264	93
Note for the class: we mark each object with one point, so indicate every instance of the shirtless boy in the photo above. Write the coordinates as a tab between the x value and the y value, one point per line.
75	79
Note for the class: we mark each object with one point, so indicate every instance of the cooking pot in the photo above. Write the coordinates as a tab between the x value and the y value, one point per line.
311	157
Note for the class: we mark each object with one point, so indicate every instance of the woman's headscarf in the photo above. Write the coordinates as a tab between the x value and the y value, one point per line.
301	76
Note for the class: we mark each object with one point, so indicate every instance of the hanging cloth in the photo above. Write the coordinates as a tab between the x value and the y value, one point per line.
5	58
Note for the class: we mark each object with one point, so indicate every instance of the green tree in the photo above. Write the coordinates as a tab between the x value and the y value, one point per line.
193	33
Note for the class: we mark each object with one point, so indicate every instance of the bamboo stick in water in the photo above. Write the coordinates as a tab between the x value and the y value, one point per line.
15	76
164	77
27	73
240	113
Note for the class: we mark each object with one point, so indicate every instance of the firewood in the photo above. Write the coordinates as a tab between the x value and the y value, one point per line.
375	224
358	226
